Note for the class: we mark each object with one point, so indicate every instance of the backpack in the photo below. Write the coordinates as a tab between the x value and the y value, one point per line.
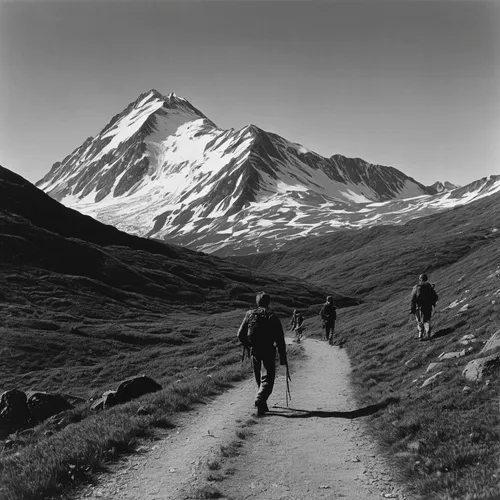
425	295
328	311
258	334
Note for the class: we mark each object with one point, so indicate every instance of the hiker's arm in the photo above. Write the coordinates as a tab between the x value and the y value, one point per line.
413	304
280	338
243	331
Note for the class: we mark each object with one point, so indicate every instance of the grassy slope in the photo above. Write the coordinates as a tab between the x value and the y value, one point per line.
83	306
378	262
444	441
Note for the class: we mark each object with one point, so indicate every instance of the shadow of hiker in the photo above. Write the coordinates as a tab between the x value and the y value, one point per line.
446	331
360	412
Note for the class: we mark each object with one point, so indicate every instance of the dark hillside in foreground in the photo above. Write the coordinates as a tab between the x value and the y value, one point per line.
378	262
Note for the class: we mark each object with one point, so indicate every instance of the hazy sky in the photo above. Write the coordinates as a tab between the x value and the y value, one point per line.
410	84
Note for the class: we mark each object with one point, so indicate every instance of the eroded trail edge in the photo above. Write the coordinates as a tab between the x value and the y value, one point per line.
313	449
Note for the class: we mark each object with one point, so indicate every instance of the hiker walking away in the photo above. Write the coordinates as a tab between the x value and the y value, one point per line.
261	330
296	324
328	314
423	299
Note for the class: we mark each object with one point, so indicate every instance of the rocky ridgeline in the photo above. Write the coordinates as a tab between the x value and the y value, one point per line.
21	410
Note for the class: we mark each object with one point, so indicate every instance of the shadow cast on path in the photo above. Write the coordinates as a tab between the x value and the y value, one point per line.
360	412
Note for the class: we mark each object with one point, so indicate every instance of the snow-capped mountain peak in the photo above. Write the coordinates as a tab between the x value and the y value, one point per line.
162	169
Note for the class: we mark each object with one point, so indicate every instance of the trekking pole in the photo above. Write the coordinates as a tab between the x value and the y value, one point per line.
288	394
246	350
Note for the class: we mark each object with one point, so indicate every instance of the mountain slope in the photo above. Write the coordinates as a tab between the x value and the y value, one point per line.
39	233
369	263
162	169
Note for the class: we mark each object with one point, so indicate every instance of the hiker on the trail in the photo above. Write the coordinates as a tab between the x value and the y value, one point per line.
423	299
328	314
296	324
261	330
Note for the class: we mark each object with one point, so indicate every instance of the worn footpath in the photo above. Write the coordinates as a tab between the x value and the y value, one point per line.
313	449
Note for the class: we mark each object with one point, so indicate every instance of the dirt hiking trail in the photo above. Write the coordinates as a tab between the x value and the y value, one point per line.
314	449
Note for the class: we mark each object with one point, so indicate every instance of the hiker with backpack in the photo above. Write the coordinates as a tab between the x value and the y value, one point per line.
296	325
262	332
423	299
328	314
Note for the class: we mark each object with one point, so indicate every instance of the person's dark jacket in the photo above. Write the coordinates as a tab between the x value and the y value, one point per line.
275	331
429	300
328	312
297	321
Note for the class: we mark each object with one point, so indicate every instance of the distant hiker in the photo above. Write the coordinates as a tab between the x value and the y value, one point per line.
261	330
423	299
328	314
296	324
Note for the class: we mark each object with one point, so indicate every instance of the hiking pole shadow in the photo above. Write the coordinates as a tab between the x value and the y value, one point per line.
360	412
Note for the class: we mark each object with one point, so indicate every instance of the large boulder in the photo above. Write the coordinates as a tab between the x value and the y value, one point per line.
135	387
129	389
14	411
478	368
43	405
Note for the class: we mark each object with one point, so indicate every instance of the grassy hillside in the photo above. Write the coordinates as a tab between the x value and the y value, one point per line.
378	262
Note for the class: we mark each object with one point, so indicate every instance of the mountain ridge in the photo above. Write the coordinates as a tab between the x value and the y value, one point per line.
163	170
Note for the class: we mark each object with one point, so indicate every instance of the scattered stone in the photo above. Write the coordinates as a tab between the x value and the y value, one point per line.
144	410
135	387
478	368
43	405
453	355
105	401
430	380
431	367
492	346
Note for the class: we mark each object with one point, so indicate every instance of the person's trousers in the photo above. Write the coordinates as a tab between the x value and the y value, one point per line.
264	369
423	317
329	329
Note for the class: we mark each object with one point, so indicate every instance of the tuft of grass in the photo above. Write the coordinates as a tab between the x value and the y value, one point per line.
214	464
208	491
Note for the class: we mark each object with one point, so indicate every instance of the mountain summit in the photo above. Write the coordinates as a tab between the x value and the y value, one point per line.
162	169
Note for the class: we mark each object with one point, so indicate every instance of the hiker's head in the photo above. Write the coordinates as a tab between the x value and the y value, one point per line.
423	278
263	299
329	299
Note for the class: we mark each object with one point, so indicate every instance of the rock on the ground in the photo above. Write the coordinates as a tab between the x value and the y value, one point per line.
135	387
492	346
453	355
478	368
128	390
432	366
43	405
14	411
105	401
432	379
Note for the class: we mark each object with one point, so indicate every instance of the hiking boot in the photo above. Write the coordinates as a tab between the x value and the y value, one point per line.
262	408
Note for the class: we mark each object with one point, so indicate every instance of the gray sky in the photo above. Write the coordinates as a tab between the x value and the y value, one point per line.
410	84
